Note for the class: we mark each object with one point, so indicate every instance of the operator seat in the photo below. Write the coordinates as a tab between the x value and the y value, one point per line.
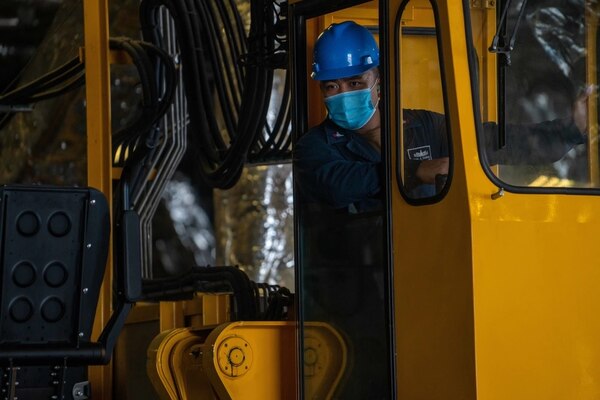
53	250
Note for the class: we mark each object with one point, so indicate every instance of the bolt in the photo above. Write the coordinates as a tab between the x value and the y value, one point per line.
85	290
92	202
80	334
89	246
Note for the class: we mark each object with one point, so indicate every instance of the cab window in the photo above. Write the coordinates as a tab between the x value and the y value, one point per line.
538	93
424	151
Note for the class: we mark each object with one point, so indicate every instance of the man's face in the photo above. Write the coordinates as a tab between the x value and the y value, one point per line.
358	82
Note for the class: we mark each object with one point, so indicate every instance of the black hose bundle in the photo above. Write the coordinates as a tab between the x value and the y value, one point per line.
140	139
274	143
68	76
158	79
272	301
63	79
228	80
252	301
205	279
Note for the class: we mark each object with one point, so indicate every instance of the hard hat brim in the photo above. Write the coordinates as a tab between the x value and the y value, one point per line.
340	73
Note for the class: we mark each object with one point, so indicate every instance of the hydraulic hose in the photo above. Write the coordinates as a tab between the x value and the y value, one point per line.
228	81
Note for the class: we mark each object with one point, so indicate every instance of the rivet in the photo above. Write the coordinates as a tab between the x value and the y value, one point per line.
89	246
92	202
85	290
80	334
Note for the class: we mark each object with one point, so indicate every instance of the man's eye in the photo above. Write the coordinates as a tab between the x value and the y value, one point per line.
355	83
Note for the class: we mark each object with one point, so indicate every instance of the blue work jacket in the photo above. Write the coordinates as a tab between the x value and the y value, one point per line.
338	168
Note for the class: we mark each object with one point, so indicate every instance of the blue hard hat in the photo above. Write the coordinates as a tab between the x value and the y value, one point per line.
344	50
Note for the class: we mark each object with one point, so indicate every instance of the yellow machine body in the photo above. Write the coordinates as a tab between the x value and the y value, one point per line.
245	360
504	304
496	294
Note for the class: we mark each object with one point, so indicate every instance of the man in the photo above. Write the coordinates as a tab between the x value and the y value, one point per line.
339	161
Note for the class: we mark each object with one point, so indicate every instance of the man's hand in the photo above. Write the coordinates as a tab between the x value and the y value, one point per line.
580	109
428	169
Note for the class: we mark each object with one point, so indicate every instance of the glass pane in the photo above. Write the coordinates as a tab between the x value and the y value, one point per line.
545	133
342	258
425	148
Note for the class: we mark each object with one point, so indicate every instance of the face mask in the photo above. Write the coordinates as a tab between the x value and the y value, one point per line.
351	110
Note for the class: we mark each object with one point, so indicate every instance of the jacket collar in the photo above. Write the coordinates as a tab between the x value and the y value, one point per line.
334	134
355	143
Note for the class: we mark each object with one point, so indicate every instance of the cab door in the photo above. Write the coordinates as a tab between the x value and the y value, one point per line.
432	262
342	256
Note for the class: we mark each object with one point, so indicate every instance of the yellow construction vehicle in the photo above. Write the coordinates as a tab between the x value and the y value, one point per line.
481	285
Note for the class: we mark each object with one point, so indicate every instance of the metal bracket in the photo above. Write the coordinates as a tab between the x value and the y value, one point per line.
498	194
9	383
483	3
81	390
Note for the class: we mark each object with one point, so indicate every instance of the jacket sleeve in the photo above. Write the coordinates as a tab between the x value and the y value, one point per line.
541	143
432	132
324	175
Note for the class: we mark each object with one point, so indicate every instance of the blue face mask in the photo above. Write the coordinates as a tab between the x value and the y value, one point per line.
351	110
